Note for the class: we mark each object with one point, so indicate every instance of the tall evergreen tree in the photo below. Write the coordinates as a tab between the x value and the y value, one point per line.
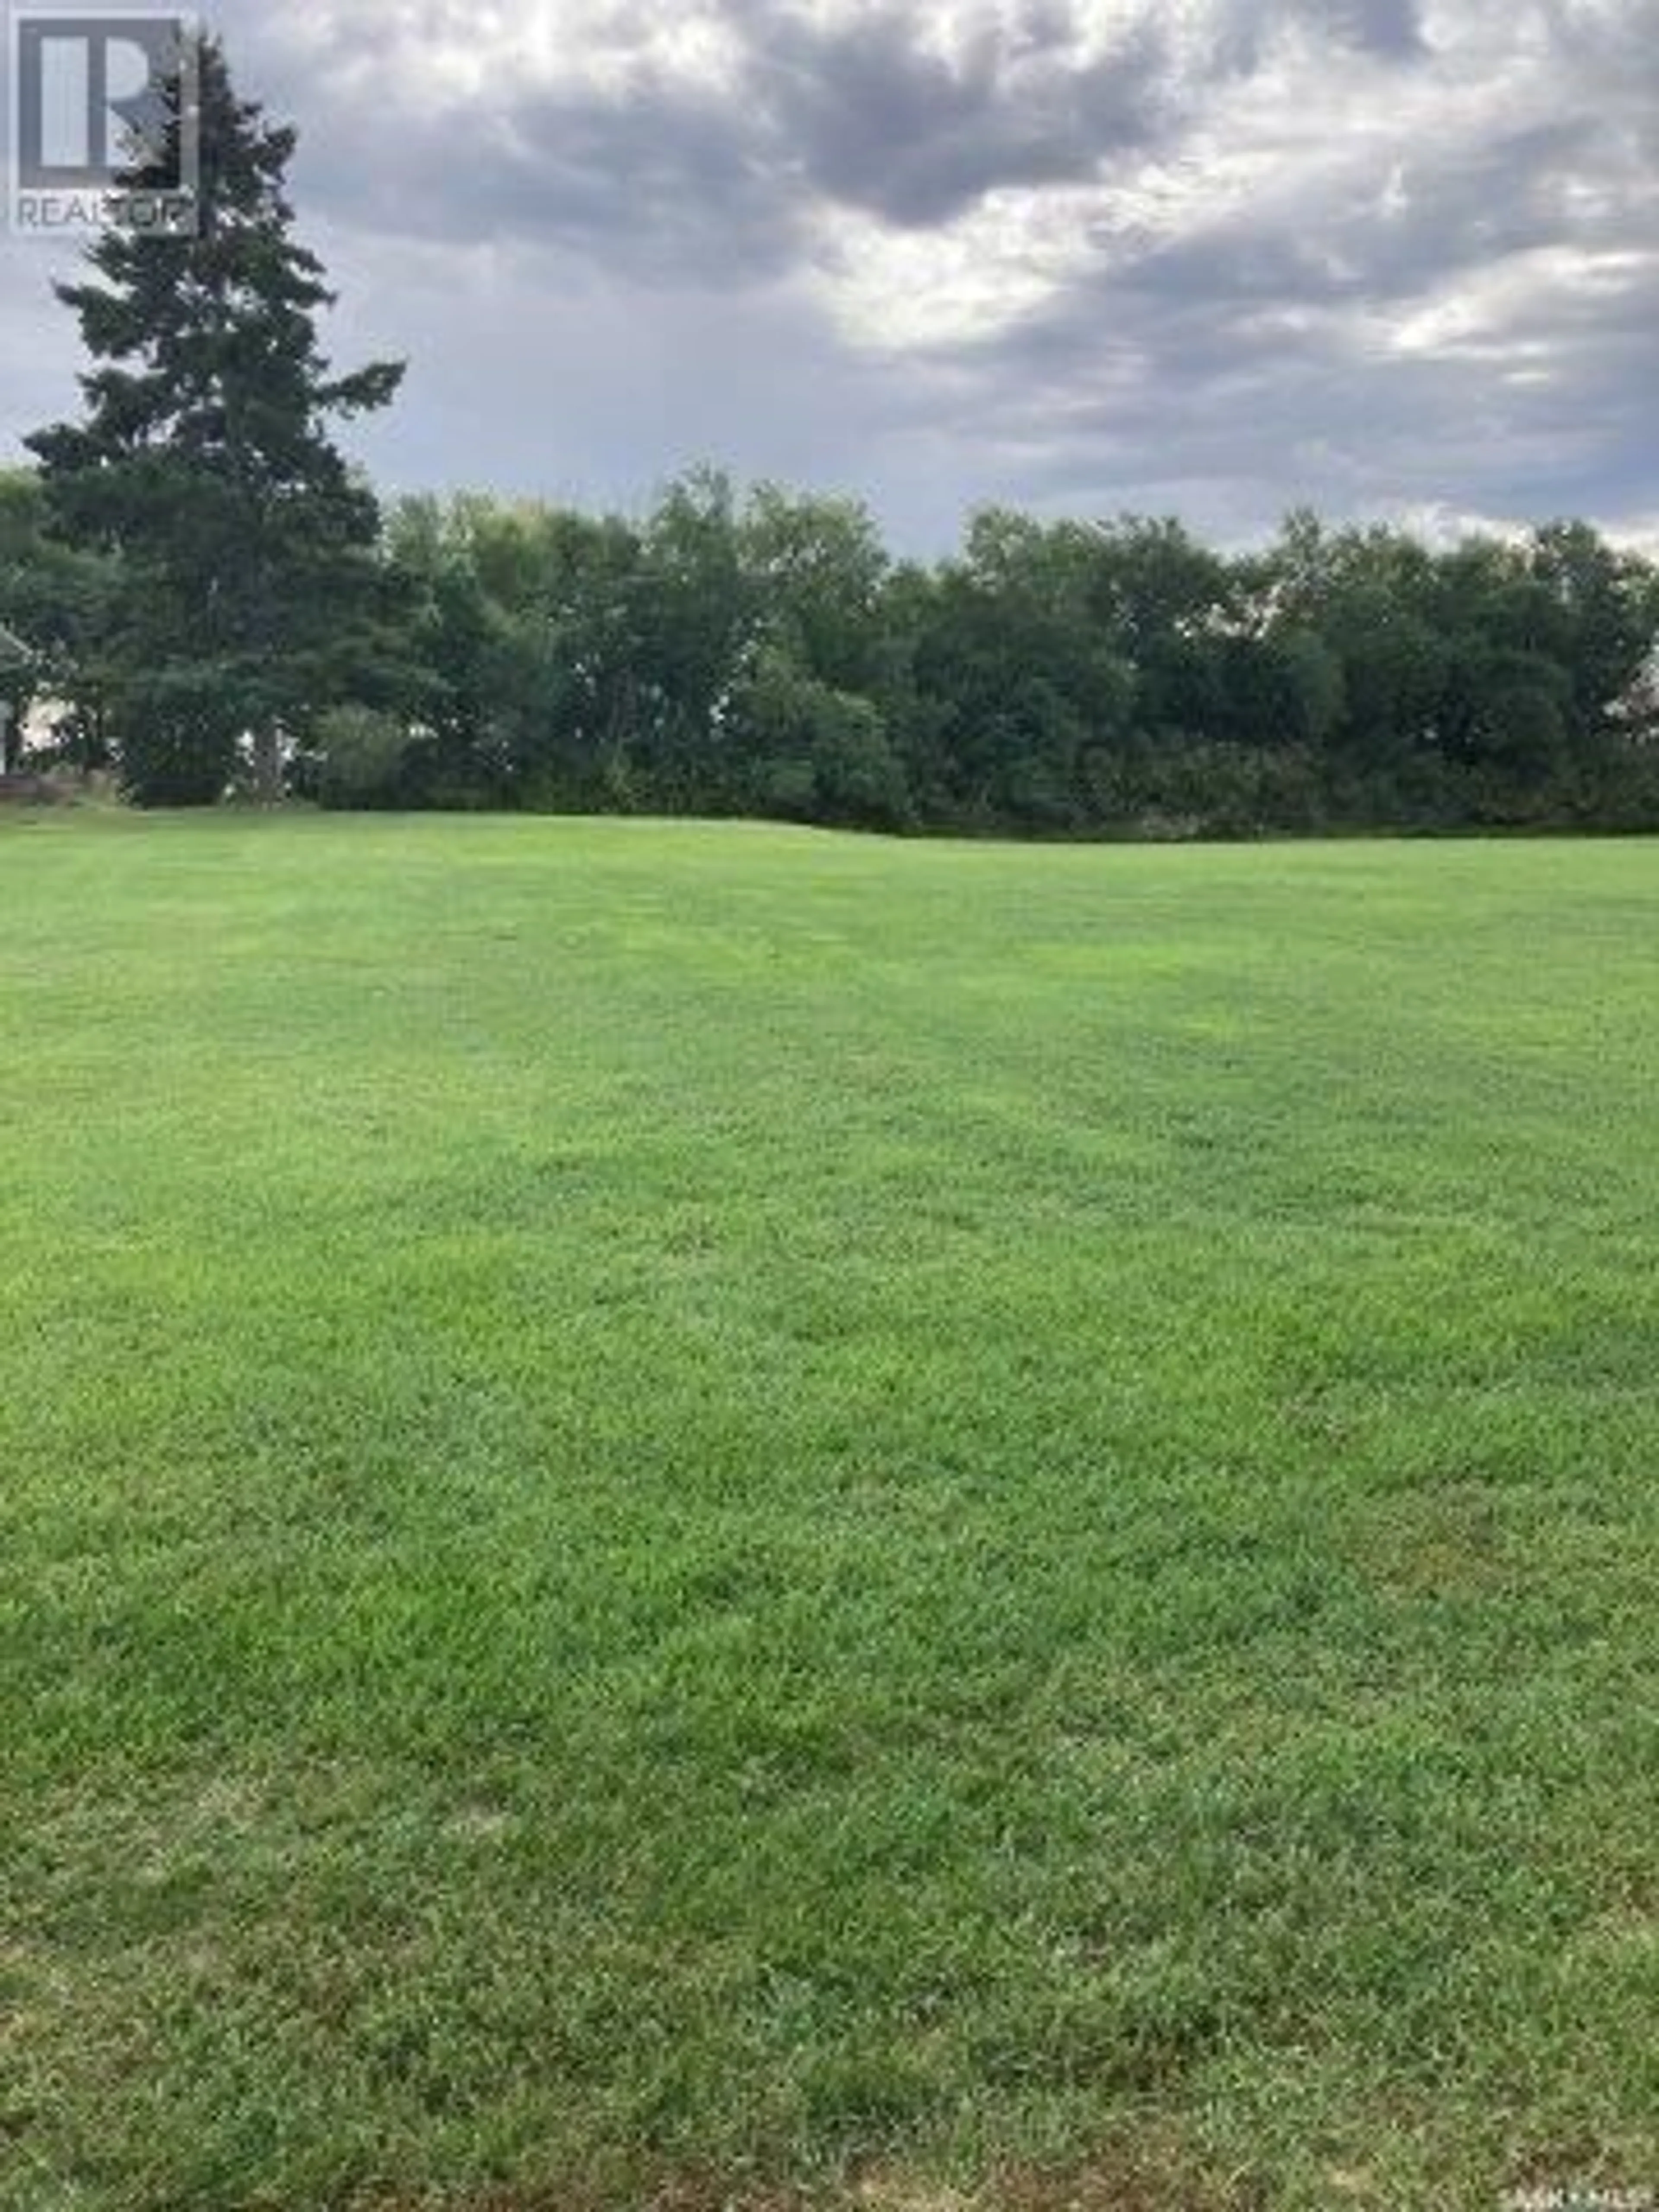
252	596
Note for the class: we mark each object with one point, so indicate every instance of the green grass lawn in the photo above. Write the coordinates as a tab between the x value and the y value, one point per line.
710	1515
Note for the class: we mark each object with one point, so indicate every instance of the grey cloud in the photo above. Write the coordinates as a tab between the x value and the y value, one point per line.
1246	30
878	122
659	177
662	174
1248	361
1463	209
1114	397
598	285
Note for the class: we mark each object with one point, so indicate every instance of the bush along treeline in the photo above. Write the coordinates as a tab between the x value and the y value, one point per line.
199	595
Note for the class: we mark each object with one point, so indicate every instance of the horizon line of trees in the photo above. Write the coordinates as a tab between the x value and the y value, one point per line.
762	653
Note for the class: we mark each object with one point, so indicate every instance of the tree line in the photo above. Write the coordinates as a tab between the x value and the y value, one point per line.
207	599
763	655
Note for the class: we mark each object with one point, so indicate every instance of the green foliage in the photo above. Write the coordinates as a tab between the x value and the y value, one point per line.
818	753
357	757
702	1516
760	655
247	594
56	601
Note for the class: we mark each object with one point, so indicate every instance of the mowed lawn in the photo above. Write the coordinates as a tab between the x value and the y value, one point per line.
714	1516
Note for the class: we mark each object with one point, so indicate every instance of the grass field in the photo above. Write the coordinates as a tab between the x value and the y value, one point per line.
712	1516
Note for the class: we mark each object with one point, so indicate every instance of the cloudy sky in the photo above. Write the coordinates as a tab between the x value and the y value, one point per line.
1214	258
